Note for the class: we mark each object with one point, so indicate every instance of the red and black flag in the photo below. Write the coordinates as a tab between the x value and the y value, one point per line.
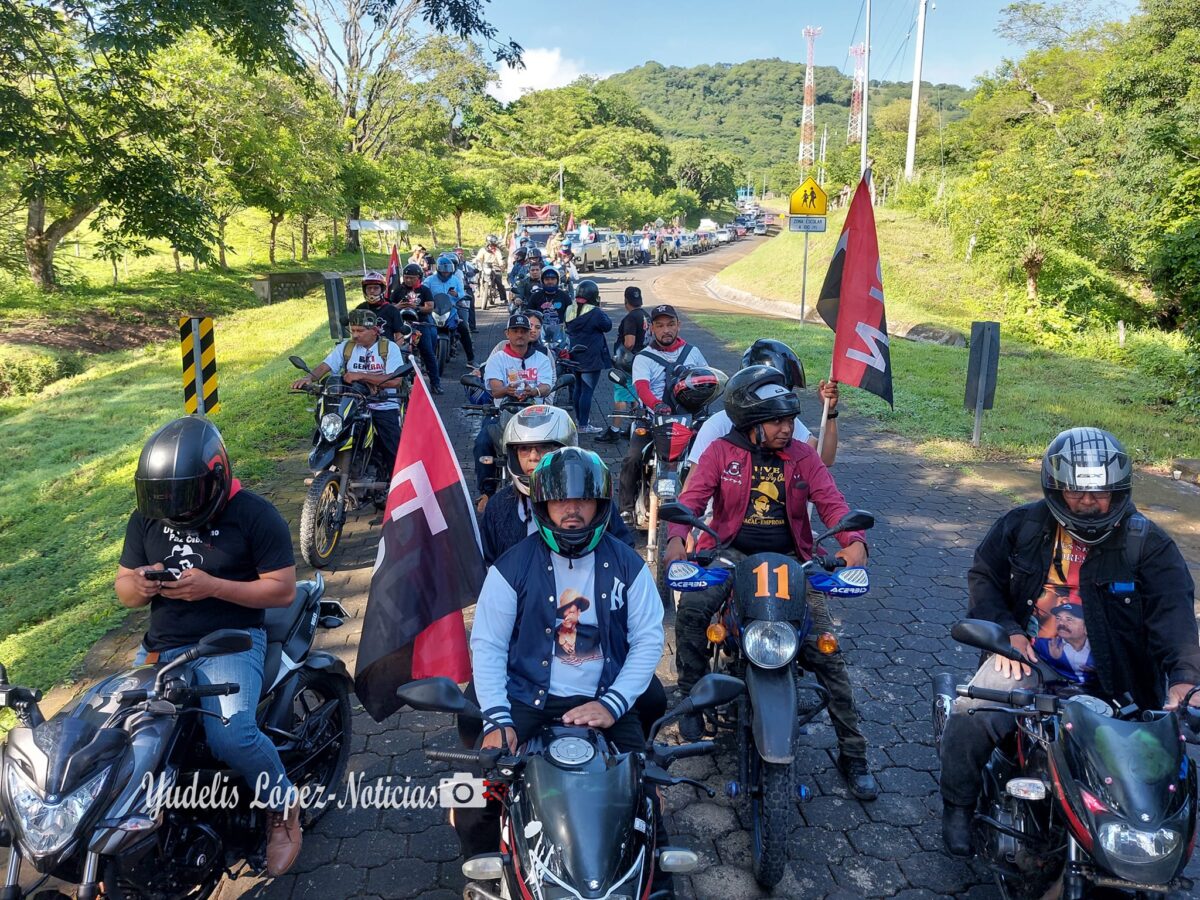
429	567
851	302
393	270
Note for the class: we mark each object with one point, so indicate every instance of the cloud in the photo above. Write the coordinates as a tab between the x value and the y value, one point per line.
545	67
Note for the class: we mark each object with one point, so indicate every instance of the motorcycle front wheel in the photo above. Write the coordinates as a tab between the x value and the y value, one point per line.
321	519
185	864
443	352
771	807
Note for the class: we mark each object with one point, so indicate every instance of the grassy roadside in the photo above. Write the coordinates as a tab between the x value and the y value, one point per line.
1039	394
70	452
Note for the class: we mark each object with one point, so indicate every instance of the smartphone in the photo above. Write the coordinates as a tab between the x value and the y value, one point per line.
160	575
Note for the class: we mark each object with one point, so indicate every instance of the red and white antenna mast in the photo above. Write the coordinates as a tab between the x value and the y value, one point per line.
808	149
854	126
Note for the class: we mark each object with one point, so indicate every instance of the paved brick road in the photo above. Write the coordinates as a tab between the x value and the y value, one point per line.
931	519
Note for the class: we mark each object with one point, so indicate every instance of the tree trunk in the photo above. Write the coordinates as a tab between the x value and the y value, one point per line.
292	234
458	227
1032	263
178	265
334	243
352	236
433	241
116	280
41	241
195	264
221	222
275	220
304	237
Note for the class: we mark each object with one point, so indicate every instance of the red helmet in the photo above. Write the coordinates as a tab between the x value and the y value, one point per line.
374	278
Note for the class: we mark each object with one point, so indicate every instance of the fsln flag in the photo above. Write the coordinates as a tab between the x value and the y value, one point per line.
428	569
571	222
393	270
851	302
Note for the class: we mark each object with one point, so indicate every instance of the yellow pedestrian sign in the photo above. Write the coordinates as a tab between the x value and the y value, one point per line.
199	352
808	199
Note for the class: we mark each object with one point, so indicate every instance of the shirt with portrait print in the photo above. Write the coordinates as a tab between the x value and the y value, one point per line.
1057	627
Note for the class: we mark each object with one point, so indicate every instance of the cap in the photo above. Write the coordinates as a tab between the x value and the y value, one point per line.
518	320
663	309
1071	609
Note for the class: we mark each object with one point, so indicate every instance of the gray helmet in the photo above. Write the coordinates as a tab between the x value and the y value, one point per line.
1087	459
535	425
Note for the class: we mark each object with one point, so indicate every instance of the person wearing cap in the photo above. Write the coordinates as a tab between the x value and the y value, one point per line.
372	360
470	277
651	369
515	372
631	338
490	263
530	282
1089	591
760	480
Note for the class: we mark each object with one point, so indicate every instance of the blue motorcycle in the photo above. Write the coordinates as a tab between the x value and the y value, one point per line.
446	317
757	635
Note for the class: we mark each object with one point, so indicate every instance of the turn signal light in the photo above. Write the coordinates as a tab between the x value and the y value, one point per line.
715	633
827	643
641	432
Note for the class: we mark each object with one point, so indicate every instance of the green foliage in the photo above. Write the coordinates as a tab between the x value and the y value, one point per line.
26	370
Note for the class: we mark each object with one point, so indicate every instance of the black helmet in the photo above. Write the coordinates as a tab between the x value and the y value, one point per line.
571	473
183	476
697	387
587	291
1087	459
414	269
759	394
778	355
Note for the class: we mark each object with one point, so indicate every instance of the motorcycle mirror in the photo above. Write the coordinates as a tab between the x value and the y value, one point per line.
855	520
678	514
563	383
472	381
224	642
435	695
715	690
299	364
985	635
616	376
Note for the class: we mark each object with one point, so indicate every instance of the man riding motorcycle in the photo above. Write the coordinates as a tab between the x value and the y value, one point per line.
1092	593
410	293
470	278
552	299
446	280
490	263
392	325
605	620
651	368
368	358
525	287
760	480
229	554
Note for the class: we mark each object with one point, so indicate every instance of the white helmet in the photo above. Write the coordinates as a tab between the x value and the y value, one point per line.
535	425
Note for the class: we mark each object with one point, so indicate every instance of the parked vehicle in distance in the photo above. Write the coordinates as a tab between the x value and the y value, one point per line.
705	240
760	227
723	235
740	230
600	250
688	245
627	249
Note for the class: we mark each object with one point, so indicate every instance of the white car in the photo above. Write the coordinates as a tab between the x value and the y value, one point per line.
760	228
723	236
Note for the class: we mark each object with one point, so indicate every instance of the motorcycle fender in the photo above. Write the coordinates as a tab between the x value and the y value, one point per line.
321	660
772	694
321	457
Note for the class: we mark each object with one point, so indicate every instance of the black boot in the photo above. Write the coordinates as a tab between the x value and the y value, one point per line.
691	727
956	829
611	436
858	777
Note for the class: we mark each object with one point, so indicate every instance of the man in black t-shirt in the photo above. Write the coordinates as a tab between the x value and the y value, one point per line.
374	289
411	293
631	337
227	555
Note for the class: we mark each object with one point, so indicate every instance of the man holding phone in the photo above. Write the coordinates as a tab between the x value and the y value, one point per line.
205	554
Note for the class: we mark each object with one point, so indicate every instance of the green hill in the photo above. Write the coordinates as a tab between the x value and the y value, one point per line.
754	108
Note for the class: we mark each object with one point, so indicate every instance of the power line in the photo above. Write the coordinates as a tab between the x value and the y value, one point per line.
861	7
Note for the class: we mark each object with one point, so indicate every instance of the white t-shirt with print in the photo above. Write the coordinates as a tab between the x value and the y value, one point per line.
368	360
535	369
718	425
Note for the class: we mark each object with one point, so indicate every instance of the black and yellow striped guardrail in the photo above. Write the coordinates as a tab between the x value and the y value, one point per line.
199	353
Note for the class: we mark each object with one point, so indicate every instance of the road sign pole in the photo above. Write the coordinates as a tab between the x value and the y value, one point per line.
981	394
804	282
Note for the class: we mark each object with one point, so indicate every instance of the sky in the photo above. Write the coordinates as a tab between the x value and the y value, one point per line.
564	41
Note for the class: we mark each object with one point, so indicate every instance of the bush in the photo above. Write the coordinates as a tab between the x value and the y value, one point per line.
26	370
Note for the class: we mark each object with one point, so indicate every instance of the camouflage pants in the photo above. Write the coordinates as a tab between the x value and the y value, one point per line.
692	658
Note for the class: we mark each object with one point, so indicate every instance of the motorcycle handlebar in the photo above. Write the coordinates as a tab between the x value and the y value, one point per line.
214	690
1008	698
484	758
696	748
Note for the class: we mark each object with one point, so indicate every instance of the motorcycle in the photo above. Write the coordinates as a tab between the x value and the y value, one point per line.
577	818
487	286
83	793
346	476
1093	794
446	317
756	636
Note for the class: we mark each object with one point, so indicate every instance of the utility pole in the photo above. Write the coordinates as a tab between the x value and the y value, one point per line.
821	167
910	157
866	99
807	145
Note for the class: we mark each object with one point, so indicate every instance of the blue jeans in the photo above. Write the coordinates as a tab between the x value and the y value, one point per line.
240	745
425	346
581	395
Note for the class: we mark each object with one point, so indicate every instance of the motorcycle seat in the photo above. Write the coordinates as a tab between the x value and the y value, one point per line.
281	619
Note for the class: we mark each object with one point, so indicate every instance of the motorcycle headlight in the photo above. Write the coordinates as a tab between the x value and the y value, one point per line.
331	426
770	645
1132	845
440	319
47	827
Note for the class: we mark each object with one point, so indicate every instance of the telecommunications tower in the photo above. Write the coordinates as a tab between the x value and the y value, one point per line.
808	154
854	126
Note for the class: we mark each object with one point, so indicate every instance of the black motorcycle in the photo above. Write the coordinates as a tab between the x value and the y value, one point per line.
79	797
347	476
447	311
756	636
1097	795
576	820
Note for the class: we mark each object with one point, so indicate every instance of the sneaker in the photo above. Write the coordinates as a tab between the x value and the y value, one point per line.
470	364
691	727
610	436
437	389
589	429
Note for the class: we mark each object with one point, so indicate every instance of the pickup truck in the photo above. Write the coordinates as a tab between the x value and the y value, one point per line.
602	249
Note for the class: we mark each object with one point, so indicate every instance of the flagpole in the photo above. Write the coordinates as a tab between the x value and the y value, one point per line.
824	417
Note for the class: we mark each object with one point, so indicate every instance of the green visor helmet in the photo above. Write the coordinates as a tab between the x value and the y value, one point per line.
571	473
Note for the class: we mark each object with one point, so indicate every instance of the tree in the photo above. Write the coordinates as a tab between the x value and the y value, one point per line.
698	167
467	192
